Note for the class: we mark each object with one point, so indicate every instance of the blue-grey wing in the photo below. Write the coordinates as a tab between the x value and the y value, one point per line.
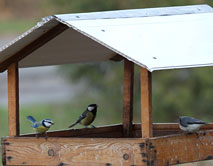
82	116
190	120
36	125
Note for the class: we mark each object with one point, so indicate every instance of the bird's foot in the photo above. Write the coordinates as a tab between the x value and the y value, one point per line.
93	126
46	136
37	136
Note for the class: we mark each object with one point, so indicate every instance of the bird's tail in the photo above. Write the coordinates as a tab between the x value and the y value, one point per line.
73	124
30	118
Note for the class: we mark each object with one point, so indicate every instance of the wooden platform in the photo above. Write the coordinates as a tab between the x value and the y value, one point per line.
108	148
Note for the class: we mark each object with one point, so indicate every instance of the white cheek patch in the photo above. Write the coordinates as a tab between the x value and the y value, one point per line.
47	124
90	108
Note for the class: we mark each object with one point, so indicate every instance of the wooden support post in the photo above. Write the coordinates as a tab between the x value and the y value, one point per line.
146	103
128	97
13	99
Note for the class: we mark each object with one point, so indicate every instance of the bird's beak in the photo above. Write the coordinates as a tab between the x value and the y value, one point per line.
52	123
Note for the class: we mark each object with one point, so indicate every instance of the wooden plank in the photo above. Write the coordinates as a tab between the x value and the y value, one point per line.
100	132
146	103
164	129
178	149
49	35
73	151
13	99
128	97
115	131
3	152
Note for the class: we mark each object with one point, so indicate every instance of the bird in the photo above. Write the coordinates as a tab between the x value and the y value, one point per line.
189	124
41	126
87	117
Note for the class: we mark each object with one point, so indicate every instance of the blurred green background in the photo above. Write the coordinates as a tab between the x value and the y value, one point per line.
175	92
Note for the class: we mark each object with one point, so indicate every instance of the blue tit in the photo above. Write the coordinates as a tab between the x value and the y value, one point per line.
189	124
42	126
87	117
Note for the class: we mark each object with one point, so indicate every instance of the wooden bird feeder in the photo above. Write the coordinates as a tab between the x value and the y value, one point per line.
154	39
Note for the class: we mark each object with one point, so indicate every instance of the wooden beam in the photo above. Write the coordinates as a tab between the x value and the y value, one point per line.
37	43
117	58
13	99
178	149
128	97
73	151
146	103
101	132
115	131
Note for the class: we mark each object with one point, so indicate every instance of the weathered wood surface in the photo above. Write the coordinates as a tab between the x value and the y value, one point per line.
47	36
101	132
182	148
13	99
156	151
128	97
73	151
146	103
115	131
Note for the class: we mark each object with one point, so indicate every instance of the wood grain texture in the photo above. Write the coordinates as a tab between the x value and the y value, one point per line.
114	131
182	148
47	36
3	152
128	97
13	99
73	151
146	103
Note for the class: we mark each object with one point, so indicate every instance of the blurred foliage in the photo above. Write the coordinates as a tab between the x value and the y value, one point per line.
102	5
175	92
15	26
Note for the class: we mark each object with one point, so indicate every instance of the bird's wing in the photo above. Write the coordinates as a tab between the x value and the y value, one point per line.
191	120
36	125
82	116
30	118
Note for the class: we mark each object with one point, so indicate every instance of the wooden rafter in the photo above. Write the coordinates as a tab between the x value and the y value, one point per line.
13	99
117	58
128	97
146	103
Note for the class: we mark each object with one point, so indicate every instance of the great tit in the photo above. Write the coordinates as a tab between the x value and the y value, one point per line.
42	126
189	124
87	117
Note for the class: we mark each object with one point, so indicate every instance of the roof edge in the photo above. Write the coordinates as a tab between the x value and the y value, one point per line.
144	12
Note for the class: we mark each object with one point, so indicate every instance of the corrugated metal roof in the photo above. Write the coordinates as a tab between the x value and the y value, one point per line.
159	38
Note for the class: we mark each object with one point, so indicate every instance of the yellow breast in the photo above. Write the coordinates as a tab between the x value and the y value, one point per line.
88	120
41	129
